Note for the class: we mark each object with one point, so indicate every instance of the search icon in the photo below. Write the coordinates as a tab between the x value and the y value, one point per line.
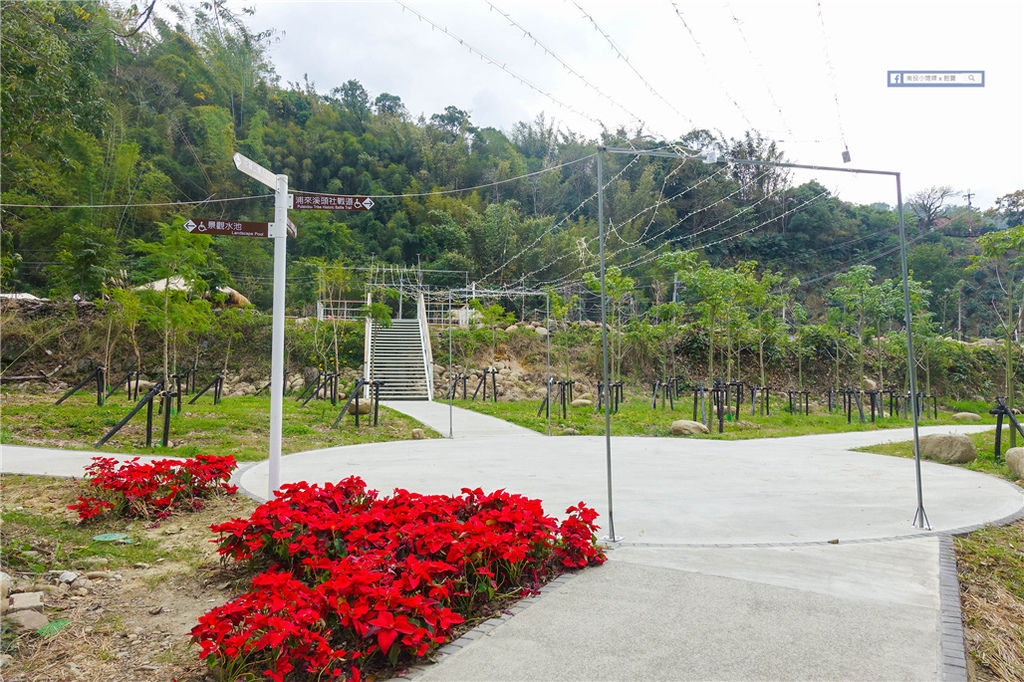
970	77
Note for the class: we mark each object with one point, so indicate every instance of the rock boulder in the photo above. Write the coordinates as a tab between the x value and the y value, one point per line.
27	621
686	427
25	601
1015	461
365	406
582	402
967	416
950	448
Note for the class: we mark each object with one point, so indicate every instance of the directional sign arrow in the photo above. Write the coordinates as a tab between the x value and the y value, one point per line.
255	171
232	228
331	202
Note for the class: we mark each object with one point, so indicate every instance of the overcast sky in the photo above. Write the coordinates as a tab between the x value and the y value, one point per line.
765	65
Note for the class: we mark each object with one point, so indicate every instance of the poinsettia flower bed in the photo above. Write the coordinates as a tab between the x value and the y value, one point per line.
156	488
353	582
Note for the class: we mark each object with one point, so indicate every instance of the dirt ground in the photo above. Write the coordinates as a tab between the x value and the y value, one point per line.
128	622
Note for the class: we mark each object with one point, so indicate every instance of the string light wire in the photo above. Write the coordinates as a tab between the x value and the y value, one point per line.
149	205
619	53
494	62
459	189
760	67
583	242
707	64
832	75
549	52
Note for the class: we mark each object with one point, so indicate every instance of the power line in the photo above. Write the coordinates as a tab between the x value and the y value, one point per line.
299	191
583	242
485	57
625	59
707	63
614	229
652	209
454	191
832	77
757	227
537	43
851	264
651	256
560	222
167	203
704	208
760	67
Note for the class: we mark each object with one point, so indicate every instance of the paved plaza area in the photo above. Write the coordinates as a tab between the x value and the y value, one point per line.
771	559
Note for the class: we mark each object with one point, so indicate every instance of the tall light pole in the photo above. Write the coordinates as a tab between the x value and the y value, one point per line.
920	517
604	348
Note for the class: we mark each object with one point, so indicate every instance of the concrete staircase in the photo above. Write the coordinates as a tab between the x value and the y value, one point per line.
396	358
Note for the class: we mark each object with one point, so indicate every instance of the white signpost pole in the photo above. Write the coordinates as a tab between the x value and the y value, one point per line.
280	235
279	232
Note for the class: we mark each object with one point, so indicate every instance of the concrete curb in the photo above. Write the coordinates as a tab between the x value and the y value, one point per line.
953	664
485	628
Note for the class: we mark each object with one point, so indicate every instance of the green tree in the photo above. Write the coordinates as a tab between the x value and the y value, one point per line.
178	259
86	256
560	309
492	318
703	288
858	299
129	311
1003	252
618	289
768	296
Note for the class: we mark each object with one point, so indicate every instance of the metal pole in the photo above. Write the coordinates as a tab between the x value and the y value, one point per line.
920	517
547	338
451	395
277	352
604	347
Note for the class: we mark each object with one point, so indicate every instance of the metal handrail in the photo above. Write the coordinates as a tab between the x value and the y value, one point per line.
428	354
367	348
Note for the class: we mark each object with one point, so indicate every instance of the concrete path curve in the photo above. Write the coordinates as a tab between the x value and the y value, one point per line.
726	570
684	492
55	462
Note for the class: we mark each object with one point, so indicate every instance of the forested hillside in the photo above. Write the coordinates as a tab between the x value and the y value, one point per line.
107	130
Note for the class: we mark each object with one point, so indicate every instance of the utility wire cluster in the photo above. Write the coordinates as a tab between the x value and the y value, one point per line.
647	84
493	62
707	63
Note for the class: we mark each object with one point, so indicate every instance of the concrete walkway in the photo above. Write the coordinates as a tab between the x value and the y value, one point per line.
725	570
28	460
457	421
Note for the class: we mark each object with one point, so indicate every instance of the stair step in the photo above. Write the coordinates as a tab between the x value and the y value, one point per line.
396	358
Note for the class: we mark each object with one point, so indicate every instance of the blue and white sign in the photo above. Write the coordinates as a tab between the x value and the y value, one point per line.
912	78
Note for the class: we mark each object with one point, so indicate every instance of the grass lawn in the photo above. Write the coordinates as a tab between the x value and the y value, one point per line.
237	426
636	418
983	441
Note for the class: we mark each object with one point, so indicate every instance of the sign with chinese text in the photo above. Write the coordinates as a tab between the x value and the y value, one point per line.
233	228
331	202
